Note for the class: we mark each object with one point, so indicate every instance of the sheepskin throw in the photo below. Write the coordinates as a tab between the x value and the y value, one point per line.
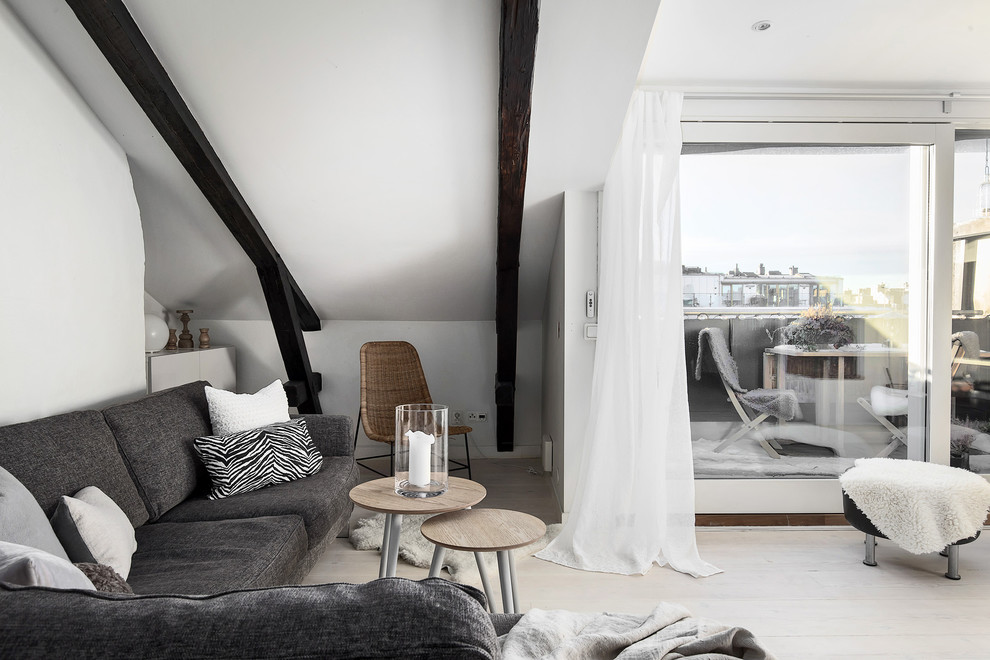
922	507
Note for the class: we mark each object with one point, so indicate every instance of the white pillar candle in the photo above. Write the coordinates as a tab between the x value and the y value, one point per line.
419	457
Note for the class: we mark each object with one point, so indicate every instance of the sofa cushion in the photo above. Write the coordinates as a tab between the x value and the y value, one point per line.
60	455
155	434
27	566
321	500
21	519
210	557
93	529
391	618
250	460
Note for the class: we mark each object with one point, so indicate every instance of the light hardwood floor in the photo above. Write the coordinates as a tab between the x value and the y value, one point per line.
803	591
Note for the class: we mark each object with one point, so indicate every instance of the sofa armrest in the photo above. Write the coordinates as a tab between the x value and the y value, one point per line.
388	618
331	434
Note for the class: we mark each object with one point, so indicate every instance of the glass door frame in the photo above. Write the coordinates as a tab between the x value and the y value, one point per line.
929	317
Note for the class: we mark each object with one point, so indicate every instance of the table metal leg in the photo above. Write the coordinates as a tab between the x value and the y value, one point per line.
383	563
505	577
480	559
393	547
512	580
437	564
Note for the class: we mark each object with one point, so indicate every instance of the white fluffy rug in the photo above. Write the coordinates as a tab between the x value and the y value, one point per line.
922	507
745	459
416	550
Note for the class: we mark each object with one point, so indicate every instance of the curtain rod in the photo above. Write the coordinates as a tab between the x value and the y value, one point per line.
815	96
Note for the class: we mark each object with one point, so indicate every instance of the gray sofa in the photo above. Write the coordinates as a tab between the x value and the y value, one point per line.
140	454
238	552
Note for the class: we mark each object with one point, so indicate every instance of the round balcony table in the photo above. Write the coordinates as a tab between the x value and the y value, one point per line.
379	495
485	530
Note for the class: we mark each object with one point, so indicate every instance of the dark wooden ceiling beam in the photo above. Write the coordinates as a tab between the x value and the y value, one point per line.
517	55
120	40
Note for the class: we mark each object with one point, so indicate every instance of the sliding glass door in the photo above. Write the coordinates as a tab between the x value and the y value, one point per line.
807	254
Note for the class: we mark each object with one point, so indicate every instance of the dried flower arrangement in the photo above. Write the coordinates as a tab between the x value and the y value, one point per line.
816	326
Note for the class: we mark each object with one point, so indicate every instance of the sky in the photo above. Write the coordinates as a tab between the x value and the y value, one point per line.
839	214
836	214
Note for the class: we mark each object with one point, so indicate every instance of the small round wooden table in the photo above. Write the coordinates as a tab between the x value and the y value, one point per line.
379	495
485	530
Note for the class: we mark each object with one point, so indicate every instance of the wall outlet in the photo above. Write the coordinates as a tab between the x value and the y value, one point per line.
475	417
457	418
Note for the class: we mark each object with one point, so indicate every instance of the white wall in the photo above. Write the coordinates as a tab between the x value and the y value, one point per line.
570	358
71	250
458	358
553	361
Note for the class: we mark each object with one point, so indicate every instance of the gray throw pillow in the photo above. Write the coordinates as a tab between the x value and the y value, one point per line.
93	529
249	460
21	519
30	567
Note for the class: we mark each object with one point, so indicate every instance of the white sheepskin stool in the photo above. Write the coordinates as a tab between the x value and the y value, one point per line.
922	507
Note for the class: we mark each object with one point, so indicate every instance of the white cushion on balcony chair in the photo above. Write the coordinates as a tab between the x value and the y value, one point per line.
888	402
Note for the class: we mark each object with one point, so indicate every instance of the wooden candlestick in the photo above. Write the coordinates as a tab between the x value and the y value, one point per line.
185	337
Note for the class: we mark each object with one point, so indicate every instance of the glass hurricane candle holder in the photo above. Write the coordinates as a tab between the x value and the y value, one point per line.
420	449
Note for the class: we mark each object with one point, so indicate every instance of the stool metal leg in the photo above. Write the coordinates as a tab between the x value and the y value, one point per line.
437	564
393	547
483	572
871	550
505	577
953	572
383	563
512	580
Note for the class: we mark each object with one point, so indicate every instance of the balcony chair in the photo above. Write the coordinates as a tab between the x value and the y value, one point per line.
888	401
392	375
782	404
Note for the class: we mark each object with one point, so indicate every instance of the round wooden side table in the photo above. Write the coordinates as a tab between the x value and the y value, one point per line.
379	495
485	530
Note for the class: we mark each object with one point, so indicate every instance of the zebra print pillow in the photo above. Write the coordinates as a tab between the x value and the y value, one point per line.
249	460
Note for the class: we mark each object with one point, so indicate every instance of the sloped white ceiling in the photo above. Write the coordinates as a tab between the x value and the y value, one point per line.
363	133
363	136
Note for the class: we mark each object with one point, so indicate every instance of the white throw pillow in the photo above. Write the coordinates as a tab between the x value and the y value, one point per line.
233	413
29	567
93	529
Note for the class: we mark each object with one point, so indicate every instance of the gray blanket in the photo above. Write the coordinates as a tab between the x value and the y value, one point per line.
970	342
669	632
782	404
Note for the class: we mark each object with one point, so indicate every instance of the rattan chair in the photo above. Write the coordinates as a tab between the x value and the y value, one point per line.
391	375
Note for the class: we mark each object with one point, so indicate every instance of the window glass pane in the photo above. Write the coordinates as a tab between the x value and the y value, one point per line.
970	424
797	258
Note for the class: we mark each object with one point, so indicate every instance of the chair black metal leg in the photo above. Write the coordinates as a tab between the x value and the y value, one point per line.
357	429
462	466
391	465
467	454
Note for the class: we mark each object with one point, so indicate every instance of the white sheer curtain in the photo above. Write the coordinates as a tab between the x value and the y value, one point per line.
635	499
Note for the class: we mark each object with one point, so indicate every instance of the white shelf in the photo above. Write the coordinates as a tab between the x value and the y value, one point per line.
172	368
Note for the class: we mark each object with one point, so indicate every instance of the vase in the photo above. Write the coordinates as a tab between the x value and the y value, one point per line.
420	449
204	337
173	341
155	333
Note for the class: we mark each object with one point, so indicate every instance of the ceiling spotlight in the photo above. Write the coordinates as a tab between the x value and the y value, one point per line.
761	26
